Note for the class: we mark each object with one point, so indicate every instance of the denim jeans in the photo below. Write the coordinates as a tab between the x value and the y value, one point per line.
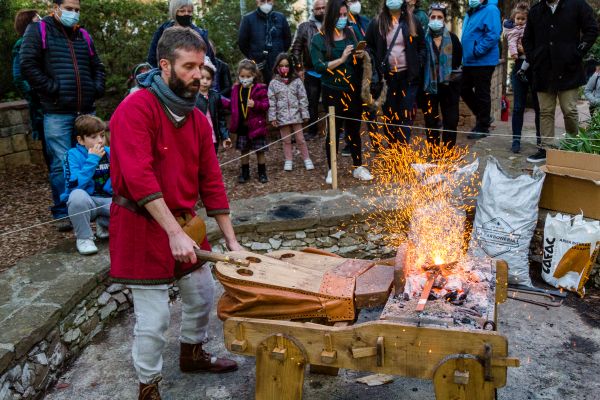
400	107
58	129
520	90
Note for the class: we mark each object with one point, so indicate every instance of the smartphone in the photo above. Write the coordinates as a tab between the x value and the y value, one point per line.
360	46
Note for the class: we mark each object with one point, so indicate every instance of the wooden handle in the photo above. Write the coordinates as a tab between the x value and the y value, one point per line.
216	257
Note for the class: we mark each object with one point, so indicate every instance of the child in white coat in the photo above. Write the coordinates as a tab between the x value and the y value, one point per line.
288	109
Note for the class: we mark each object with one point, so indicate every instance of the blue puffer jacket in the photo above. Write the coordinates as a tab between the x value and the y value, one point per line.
482	28
87	172
158	34
66	75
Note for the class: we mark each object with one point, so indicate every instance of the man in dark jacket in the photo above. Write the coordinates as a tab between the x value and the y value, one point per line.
480	36
301	52
264	34
558	35
61	64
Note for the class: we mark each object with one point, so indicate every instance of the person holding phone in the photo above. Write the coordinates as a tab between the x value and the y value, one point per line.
331	54
396	40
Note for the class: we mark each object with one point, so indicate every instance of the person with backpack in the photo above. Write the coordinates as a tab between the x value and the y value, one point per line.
61	64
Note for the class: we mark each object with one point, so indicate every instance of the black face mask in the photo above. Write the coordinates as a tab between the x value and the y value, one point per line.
184	20
319	18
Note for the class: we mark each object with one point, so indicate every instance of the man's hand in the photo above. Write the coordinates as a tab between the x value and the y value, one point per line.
274	123
182	247
227	143
98	150
250	103
233	245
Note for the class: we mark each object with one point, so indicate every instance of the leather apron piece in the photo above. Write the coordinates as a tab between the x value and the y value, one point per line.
332	298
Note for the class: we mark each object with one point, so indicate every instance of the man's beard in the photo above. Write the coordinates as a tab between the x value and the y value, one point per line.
186	92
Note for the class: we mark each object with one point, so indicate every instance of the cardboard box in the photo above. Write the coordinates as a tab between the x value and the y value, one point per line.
572	183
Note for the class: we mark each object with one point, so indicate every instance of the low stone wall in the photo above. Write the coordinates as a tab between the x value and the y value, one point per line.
39	362
16	146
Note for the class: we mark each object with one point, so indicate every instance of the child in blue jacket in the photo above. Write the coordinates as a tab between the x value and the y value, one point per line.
88	190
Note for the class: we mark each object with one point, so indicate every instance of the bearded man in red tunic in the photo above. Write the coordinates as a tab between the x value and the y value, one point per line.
162	158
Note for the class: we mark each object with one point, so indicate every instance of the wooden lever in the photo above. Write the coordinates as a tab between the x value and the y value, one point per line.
204	255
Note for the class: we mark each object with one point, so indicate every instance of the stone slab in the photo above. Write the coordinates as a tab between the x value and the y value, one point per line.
28	326
15	160
6	358
68	291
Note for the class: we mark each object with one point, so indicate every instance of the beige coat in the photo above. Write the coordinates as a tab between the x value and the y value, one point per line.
288	103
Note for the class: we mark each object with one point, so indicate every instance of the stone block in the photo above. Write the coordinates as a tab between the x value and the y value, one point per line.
115	287
13	117
28	325
19	142
120	297
11	130
72	336
90	325
68	291
33	144
108	309
2	164
6	358
16	160
5	146
260	246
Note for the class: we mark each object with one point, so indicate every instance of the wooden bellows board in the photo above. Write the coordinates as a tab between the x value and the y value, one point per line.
296	285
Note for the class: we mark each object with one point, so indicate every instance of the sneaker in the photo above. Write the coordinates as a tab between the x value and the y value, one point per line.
288	165
363	174
308	164
101	232
86	247
329	179
346	152
540	156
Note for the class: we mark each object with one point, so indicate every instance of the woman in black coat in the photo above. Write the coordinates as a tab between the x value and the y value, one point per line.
441	86
396	40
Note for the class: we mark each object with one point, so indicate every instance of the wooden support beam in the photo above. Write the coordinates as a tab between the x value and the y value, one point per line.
280	362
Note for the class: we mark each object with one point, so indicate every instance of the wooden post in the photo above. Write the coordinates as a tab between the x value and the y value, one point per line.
333	147
280	362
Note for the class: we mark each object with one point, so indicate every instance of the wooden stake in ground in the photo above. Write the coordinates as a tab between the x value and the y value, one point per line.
333	147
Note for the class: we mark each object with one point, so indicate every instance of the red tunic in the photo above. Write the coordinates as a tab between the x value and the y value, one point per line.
151	158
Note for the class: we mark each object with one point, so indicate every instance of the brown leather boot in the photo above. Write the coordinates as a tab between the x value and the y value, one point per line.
194	359
149	391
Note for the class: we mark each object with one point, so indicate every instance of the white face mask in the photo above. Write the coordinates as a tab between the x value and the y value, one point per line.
266	7
355	8
246	82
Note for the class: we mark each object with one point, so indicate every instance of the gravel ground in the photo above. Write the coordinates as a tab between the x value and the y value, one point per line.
559	351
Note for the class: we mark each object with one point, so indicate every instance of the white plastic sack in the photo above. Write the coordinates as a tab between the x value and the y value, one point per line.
505	218
570	247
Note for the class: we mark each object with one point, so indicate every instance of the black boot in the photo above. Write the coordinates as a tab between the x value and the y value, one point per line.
244	174
262	173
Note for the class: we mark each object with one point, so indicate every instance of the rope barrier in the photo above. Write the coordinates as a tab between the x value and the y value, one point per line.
52	221
372	122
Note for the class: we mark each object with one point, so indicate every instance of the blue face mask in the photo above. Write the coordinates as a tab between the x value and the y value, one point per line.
341	22
474	3
436	25
69	18
394	4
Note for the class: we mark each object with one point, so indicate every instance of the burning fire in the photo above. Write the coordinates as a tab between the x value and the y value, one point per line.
427	187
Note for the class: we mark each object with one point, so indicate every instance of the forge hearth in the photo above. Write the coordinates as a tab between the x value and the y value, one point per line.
457	294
